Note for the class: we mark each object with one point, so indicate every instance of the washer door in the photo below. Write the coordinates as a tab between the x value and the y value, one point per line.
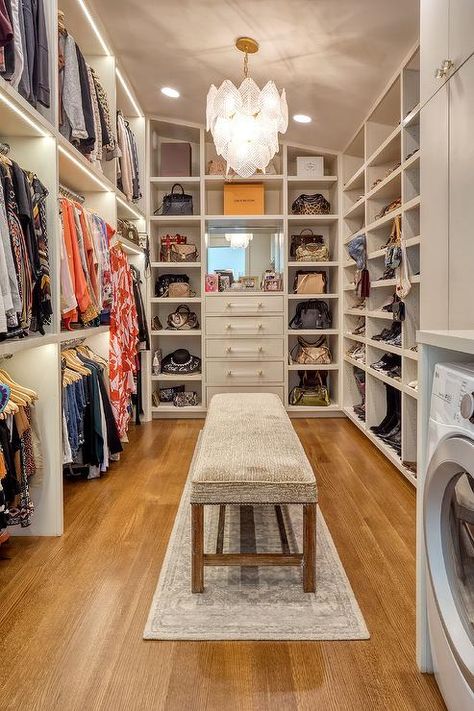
448	509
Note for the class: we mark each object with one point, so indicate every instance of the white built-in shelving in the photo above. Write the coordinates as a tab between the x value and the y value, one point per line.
380	164
36	144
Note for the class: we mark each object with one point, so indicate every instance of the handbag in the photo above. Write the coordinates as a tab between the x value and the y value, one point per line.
183	253
188	399
403	286
311	392
310	282
179	290
388	208
128	231
163	282
175	203
167	394
183	319
315	204
312	252
303	239
393	253
312	314
307	353
166	242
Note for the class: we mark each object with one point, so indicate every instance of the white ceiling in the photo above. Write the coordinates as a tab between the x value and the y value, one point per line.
333	56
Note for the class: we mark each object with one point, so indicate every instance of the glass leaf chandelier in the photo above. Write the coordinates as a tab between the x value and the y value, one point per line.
245	122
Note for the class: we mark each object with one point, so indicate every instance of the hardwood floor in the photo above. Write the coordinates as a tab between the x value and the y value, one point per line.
73	609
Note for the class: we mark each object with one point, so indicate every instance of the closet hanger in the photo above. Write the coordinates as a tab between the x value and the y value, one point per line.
89	353
19	388
73	362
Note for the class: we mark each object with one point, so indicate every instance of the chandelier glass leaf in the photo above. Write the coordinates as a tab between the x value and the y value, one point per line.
245	121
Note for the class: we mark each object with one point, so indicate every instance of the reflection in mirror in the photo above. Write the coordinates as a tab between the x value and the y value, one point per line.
242	255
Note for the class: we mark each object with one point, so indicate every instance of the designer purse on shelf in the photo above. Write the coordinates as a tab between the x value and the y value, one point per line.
309	282
310	392
167	394
183	253
311	205
306	236
183	319
166	242
128	231
176	203
164	281
312	252
188	399
312	314
307	353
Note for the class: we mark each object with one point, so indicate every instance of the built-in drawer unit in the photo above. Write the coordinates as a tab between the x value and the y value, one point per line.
216	390
247	304
244	326
245	372
245	348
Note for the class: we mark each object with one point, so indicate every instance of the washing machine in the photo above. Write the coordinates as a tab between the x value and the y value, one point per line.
448	519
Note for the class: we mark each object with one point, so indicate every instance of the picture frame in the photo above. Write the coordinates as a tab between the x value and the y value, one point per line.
211	283
273	284
225	282
249	283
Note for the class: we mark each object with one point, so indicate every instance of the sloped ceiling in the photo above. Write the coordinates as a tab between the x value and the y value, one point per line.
333	56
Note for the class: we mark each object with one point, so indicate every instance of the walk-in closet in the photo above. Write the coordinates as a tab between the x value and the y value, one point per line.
236	355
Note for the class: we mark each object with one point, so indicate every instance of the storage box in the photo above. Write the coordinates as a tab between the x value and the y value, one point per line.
309	166
244	199
175	160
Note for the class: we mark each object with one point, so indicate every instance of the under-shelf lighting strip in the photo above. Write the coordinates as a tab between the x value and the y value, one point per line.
96	30
130	208
126	88
24	115
85	170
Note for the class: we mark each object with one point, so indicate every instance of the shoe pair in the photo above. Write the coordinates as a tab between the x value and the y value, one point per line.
359	330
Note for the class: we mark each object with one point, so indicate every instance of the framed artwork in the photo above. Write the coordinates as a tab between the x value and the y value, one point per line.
224	282
249	283
212	283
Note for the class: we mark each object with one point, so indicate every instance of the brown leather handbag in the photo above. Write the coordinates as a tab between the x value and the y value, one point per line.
311	353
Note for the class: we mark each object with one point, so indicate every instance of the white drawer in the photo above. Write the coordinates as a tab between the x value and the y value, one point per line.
235	348
244	326
245	372
248	304
274	389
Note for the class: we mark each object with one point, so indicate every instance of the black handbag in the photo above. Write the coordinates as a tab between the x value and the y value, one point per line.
176	203
311	205
163	282
312	314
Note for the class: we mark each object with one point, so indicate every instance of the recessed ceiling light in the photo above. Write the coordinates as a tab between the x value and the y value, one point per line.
169	91
302	118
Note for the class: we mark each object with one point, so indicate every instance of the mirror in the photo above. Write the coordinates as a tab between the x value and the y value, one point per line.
243	255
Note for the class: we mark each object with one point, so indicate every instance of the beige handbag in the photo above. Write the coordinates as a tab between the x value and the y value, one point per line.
310	282
312	252
307	353
183	253
179	290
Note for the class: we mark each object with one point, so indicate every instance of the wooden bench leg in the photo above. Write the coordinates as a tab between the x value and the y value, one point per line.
197	546
309	547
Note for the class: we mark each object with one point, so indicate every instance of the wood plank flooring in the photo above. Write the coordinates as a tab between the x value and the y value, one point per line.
73	609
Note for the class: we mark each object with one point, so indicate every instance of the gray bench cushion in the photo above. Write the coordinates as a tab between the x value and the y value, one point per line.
250	453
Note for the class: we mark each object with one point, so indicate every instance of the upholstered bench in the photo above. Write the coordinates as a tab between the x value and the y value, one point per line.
250	454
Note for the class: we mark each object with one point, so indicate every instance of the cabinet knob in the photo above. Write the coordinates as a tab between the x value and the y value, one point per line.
260	326
260	373
229	373
442	71
229	326
260	349
228	349
260	305
228	305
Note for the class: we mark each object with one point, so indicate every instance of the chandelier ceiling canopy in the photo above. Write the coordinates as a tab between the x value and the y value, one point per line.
245	121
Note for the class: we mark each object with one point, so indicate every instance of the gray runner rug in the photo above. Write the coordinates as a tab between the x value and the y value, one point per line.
247	603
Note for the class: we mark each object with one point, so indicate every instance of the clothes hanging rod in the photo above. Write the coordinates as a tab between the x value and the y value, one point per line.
72	342
70	194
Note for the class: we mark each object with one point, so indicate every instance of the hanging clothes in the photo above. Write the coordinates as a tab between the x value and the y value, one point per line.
123	339
129	171
25	288
84	114
85	264
24	50
90	434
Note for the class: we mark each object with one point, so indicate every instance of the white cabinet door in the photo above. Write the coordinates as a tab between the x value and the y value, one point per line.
461	31
434	44
461	198
434	188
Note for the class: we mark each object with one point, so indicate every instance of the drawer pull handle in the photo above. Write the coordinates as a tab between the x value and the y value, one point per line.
260	305
229	326
232	373
260	349
228	349
260	326
228	305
